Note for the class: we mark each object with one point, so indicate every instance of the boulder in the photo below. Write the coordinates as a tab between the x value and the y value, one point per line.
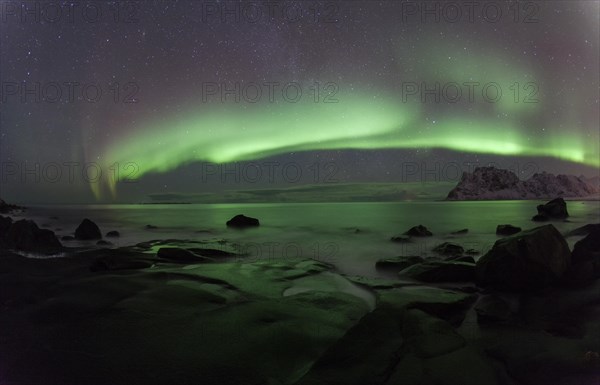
448	248
585	259
459	232
151	227
5	223
397	263
440	271
507	230
25	235
584	230
242	221
419	231
528	260
113	234
555	209
429	336
87	230
540	218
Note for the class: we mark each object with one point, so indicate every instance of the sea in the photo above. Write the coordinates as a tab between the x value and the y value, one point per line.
350	236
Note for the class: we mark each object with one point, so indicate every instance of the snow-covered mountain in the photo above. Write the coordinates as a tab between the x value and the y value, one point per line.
490	183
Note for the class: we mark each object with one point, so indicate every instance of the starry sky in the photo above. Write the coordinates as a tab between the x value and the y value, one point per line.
116	101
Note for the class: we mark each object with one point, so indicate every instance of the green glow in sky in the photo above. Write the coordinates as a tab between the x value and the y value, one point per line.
238	132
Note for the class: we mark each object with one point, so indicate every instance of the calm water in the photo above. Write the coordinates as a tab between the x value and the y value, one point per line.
324	231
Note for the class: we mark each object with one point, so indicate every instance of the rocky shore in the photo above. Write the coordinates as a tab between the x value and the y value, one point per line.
190	312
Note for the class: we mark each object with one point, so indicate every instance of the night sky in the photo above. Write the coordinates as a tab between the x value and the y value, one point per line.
346	81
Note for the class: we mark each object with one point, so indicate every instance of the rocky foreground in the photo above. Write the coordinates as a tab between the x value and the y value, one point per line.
193	312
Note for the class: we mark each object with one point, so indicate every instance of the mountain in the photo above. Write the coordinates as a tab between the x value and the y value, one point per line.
490	183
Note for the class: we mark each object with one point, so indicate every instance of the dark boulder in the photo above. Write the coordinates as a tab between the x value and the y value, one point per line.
419	231
507	230
448	248
584	230
113	234
528	260
5	223
459	232
440	271
585	265
555	209
6	208
397	263
87	230
540	218
151	227
241	221
25	235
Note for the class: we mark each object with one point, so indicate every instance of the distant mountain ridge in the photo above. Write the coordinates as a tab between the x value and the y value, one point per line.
490	183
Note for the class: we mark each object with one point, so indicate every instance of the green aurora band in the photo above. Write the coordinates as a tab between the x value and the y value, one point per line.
238	132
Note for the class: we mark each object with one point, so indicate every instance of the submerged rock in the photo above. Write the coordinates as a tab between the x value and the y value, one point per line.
529	260
441	271
113	234
458	232
397	263
584	230
507	230
87	230
400	239
419	231
242	221
175	254
448	248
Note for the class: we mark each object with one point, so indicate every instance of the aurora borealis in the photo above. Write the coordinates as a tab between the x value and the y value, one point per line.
375	56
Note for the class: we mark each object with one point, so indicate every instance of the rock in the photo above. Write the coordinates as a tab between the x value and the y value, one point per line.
528	260
584	230
67	238
25	235
418	231
397	263
242	221
459	232
540	218
118	259
178	255
429	336
400	239
441	271
555	209
5	223
585	260
151	227
102	242
113	234
464	258
212	253
6	208
507	230
492	308
87	230
448	248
